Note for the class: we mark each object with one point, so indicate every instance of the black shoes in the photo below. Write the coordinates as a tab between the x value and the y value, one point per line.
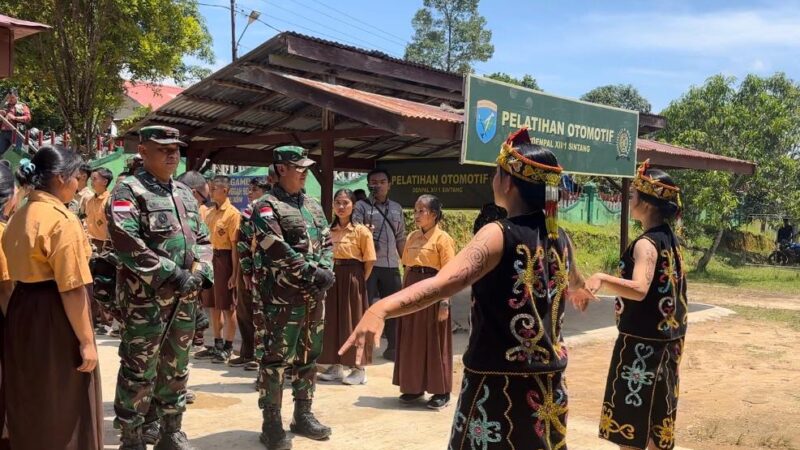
410	398
305	424
273	436
438	401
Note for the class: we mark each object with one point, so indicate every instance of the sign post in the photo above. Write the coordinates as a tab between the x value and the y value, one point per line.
586	138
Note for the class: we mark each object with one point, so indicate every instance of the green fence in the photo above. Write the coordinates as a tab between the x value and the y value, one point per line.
589	206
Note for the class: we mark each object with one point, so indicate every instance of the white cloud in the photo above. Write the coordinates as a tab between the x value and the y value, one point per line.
714	32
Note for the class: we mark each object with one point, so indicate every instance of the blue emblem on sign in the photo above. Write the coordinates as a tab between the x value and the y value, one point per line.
486	120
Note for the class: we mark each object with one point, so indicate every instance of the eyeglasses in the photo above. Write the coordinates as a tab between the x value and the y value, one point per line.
205	199
300	169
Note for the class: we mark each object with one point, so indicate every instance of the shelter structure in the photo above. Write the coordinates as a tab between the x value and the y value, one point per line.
12	29
351	107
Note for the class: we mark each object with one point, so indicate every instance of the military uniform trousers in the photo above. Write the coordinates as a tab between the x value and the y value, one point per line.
292	339
149	370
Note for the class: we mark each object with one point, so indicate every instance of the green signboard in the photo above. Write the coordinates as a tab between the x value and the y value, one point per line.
586	138
458	186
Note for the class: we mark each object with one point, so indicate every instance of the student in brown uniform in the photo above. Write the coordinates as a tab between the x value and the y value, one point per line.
78	203
244	299
52	379
7	191
199	186
353	258
223	228
424	358
97	228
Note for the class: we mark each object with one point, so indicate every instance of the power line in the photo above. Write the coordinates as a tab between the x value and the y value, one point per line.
241	12
391	39
405	41
325	26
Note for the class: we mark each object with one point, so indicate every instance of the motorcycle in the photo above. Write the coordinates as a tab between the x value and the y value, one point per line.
788	253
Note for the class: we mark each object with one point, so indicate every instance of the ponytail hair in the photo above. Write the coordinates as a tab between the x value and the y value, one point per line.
48	162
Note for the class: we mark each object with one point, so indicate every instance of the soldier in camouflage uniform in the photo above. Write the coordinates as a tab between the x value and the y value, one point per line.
165	258
292	268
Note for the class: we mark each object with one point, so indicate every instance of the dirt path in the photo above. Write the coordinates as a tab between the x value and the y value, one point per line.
724	295
722	406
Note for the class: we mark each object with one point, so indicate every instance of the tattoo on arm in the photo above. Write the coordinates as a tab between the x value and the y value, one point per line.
419	299
477	255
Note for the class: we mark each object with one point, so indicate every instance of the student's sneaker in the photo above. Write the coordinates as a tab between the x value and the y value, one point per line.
438	401
207	353
357	376
410	398
251	366
334	373
222	356
239	361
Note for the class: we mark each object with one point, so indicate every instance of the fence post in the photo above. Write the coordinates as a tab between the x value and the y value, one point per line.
590	189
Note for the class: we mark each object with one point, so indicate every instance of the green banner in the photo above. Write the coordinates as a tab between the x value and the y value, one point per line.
457	186
586	138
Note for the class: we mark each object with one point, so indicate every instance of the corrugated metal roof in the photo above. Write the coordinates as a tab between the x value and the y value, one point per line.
672	155
399	106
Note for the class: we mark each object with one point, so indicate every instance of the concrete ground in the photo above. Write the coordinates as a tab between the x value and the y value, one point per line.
226	414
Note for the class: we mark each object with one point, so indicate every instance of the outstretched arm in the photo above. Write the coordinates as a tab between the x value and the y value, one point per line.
477	259
645	256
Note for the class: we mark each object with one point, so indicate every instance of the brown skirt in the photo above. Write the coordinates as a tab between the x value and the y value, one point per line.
424	357
50	405
344	306
223	270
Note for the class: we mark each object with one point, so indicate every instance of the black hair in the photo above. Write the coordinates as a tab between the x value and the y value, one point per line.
668	210
105	173
533	194
194	179
260	183
86	169
48	162
21	179
489	213
351	195
360	194
223	180
434	204
379	171
256	182
6	184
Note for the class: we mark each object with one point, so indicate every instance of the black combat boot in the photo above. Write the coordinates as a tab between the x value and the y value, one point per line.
151	428
151	432
273	435
132	439
172	438
305	424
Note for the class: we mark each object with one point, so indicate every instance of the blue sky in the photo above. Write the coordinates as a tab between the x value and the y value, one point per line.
569	46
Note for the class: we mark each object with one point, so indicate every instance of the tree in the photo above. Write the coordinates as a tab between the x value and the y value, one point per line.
93	42
526	81
45	112
450	35
618	95
757	121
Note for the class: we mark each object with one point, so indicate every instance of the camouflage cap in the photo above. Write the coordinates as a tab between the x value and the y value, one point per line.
292	154
161	134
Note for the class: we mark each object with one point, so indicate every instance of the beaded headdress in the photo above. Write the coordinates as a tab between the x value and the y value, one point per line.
654	188
513	162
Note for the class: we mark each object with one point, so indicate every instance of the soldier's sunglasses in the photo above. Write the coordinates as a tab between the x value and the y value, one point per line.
299	169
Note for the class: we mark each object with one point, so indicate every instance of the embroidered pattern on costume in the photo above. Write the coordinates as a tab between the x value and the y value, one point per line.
557	289
527	328
637	375
665	433
481	431
548	406
610	426
528	282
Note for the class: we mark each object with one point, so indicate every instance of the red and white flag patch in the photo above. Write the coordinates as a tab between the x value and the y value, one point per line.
121	206
247	213
266	212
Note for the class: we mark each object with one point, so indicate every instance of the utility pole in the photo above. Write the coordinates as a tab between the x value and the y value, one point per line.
233	30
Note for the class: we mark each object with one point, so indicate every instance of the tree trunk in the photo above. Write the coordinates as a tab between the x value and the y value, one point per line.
708	254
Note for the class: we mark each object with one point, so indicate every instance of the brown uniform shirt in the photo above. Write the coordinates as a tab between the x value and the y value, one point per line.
96	221
203	211
353	242
433	249
46	242
4	276
223	226
83	196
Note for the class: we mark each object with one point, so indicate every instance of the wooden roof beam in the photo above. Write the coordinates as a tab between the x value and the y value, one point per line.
439	148
367	145
292	137
308	66
235	113
360	111
317	51
397	148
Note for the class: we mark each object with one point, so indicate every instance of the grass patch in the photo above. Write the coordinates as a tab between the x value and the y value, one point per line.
786	317
771	279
